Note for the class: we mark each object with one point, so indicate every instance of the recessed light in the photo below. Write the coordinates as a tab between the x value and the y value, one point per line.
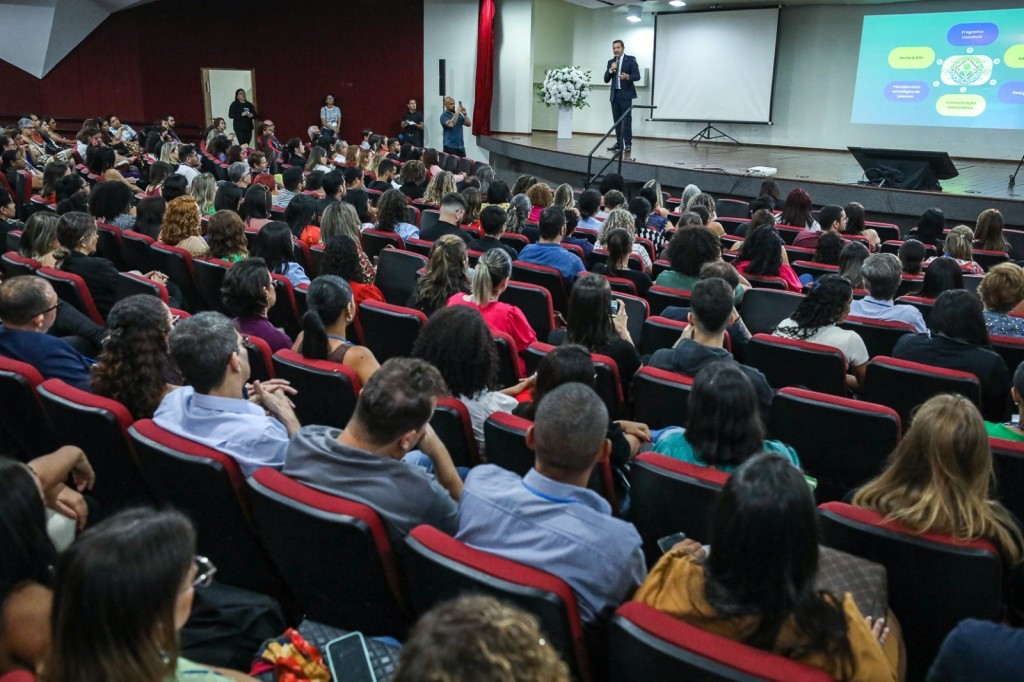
677	3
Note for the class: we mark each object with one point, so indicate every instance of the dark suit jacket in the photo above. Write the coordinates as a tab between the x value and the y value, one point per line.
629	66
99	275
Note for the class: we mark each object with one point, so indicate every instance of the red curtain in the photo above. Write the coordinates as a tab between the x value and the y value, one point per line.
484	69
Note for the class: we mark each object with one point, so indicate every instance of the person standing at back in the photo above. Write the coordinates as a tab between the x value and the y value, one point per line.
622	72
452	122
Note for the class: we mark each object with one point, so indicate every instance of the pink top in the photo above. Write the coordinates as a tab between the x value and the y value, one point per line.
786	272
535	214
504	318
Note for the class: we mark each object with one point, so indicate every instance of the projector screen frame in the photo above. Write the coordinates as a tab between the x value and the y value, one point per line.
775	66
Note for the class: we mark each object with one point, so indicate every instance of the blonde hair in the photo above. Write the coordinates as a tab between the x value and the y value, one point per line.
564	197
705	200
958	243
492	269
439	185
656	186
340	218
204	189
938	479
181	221
1003	287
617	218
169	152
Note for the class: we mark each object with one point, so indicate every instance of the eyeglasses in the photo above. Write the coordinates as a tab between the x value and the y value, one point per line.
205	570
53	307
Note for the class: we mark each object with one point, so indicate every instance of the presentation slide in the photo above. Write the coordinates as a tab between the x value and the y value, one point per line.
956	69
716	66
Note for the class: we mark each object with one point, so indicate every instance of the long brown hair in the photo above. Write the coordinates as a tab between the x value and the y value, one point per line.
445	273
939	477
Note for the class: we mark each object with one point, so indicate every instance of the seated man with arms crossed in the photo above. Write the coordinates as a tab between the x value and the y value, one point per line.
363	462
549	519
211	409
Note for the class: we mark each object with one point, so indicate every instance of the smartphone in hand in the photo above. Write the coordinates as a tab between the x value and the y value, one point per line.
669	541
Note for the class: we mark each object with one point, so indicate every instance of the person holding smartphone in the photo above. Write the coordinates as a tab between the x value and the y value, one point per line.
452	122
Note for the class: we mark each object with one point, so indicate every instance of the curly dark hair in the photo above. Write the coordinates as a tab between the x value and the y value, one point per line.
225	234
341	258
391	210
134	364
107	200
830	244
692	247
458	342
824	305
763	250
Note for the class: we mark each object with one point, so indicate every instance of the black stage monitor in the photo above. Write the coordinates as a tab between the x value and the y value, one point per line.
904	168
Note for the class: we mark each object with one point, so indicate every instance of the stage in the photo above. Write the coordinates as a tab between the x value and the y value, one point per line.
720	168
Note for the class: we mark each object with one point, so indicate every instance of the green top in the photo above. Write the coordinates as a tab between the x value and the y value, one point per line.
675	445
187	671
1003	431
235	257
676	280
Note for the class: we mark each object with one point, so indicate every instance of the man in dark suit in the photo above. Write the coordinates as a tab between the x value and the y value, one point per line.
622	72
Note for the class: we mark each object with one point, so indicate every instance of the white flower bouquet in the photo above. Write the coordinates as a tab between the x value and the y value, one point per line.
566	86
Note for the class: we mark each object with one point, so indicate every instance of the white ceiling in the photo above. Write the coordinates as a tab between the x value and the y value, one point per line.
663	6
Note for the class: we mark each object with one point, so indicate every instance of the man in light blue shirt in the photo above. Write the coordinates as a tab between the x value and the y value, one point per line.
882	273
548	251
549	519
208	351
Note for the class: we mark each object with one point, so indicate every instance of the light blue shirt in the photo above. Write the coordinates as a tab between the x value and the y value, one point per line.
877	309
452	137
407	231
234	426
591	223
553	256
559	528
295	274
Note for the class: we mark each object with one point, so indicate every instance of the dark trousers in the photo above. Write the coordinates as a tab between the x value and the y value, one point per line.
621	102
454	151
243	135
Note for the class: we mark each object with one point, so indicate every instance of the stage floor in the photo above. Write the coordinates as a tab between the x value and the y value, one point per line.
722	168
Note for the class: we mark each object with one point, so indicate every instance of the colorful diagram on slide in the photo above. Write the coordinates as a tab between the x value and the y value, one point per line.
959	69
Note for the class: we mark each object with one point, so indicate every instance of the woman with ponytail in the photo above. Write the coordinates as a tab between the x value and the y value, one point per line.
330	310
490	279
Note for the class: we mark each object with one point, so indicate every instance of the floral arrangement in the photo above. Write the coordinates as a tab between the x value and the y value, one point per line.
566	86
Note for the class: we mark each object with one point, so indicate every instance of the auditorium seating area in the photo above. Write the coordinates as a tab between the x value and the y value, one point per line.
357	578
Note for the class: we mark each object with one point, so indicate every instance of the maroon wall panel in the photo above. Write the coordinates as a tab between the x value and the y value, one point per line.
146	62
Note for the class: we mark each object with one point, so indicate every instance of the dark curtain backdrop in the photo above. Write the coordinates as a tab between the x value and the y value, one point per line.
145	62
484	69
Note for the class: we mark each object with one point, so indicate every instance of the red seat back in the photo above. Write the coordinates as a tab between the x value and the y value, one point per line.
904	385
389	330
24	421
72	289
326	392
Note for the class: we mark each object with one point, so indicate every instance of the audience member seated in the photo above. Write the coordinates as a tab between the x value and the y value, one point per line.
705	201
275	246
133	577
929	228
959	341
363	462
571	221
255	207
475	637
549	519
939	480
391	215
111	202
444	277
225	235
757	586
189	166
452	207
497	194
988	233
703	340
760	214
134	367
882	275
39	239
174	186
540	196
294	182
203	191
797	211
621	218
832	219
725	428
77	233
851	261
912	254
439	185
414	179
211	409
942	274
387	171
341	219
523	183
548	251
457	341
356	195
181	227
28	308
325	323
593	325
688	251
855	225
149	216
620	246
1001	291
490	279
957	247
978	649
517	211
301	217
829	246
589	204
1011	430
248	294
32	493
341	258
229	194
816	320
762	254
492	220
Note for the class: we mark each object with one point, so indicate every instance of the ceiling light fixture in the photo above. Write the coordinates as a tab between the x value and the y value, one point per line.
633	13
677	3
